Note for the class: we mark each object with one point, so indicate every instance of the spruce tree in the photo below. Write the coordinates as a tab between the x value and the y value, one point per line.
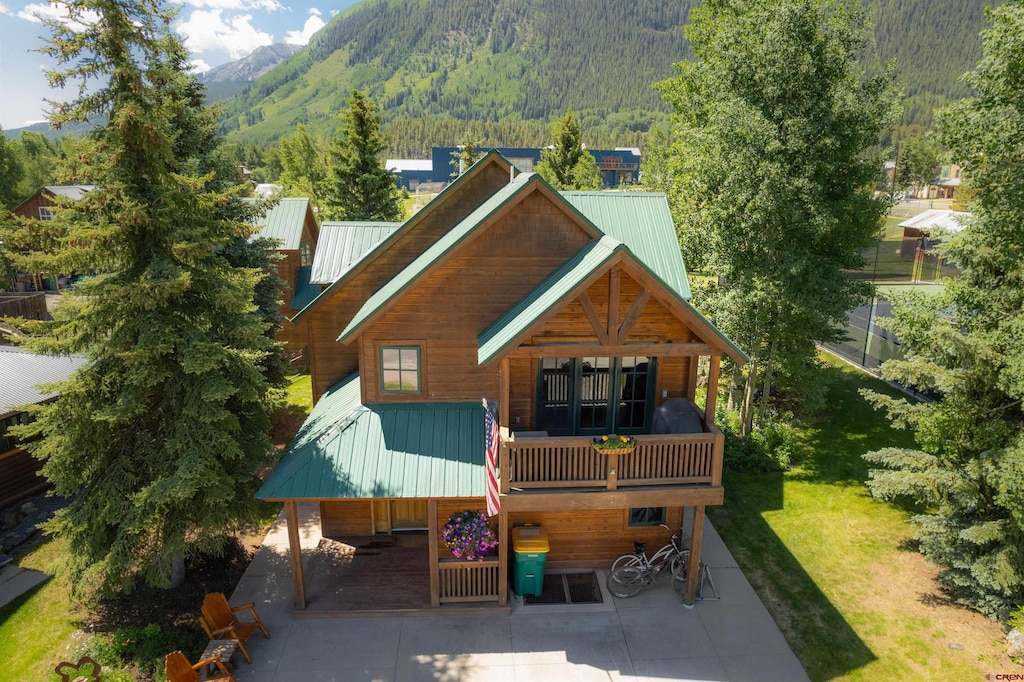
566	164
965	347
360	187
159	437
773	120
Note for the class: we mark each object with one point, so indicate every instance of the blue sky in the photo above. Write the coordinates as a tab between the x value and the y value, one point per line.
215	31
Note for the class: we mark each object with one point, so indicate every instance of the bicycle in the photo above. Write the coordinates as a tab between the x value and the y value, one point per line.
631	573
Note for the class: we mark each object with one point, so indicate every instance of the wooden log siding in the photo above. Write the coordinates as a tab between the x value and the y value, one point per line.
331	361
468	581
670	459
465	293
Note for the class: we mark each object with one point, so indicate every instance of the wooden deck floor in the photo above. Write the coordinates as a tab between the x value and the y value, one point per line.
370	573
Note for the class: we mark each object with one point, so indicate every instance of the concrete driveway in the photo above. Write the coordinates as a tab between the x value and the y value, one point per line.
651	637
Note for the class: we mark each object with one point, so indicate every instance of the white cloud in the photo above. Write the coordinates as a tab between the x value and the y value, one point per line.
199	66
205	31
4	9
265	5
37	13
313	24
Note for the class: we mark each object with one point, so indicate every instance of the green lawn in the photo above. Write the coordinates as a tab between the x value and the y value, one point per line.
837	569
36	628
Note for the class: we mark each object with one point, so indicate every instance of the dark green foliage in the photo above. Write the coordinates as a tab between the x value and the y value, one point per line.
160	436
360	187
771	446
773	120
918	162
511	60
11	173
565	163
144	648
965	346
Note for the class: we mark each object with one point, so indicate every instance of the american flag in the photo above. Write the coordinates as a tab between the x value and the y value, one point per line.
492	441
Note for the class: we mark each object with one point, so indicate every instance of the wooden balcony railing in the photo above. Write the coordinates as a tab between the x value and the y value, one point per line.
465	581
571	462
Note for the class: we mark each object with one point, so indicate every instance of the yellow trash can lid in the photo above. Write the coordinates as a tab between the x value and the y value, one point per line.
530	539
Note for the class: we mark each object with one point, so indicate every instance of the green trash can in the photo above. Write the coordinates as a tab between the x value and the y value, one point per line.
530	544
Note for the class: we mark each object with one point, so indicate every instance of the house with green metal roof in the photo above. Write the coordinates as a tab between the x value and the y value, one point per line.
292	228
567	316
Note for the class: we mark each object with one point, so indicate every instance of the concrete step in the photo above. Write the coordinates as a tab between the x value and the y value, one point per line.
16	581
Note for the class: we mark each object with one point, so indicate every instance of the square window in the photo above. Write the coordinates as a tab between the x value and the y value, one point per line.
400	369
46	213
647	516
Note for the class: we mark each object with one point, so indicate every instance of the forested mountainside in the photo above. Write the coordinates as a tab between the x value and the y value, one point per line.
446	69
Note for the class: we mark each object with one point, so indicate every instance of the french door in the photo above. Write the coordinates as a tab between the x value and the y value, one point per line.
595	395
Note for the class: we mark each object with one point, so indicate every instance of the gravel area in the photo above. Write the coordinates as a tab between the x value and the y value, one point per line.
20	521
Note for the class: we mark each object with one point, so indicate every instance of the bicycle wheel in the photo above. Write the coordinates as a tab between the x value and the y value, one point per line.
625	581
679	578
626	560
677	567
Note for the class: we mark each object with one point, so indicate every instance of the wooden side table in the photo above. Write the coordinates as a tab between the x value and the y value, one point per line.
227	649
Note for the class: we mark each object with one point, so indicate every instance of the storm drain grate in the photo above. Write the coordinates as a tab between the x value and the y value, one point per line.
567	588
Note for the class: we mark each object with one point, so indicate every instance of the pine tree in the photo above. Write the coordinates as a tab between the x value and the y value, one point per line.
465	155
159	437
566	164
773	119
965	346
11	172
360	187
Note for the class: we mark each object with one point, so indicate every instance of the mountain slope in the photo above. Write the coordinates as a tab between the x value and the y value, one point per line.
527	60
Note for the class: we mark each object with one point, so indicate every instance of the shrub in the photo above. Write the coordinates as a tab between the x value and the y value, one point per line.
772	446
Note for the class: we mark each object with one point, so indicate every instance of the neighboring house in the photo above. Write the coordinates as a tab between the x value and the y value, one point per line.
292	225
570	313
918	231
411	173
618	166
343	244
22	372
946	185
920	235
41	205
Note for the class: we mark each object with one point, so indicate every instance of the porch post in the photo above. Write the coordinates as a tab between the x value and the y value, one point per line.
295	550
691	377
432	539
692	570
502	558
504	380
712	399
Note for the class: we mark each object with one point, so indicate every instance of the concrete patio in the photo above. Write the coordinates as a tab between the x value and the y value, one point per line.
651	637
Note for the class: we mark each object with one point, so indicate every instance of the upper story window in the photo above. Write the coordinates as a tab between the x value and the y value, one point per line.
46	213
305	254
595	395
400	369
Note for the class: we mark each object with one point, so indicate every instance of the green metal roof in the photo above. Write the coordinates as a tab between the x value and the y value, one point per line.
304	290
343	245
642	221
397	284
284	222
520	317
398	450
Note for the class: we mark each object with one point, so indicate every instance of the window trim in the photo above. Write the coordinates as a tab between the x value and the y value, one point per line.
47	213
400	346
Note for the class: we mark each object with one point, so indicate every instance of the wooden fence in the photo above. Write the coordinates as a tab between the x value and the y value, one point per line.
468	581
30	305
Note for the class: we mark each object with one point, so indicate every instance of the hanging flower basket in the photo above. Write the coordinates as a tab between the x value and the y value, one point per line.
468	536
613	445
